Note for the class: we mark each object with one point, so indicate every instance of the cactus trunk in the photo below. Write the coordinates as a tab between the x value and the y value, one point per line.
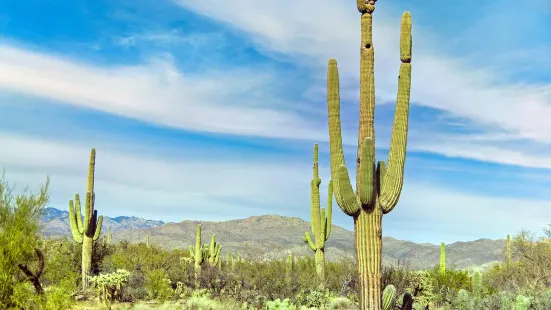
319	259
378	187
87	247
369	245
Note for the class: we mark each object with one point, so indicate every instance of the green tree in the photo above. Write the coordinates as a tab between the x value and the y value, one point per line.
20	244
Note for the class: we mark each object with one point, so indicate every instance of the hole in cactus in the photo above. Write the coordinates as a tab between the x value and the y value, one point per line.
368	45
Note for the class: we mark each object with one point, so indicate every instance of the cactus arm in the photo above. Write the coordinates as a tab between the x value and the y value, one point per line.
344	194
91	168
308	241
212	247
367	172
79	214
329	211
77	236
98	226
394	178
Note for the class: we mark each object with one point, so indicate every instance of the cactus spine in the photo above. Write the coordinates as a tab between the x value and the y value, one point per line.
508	258
377	189
87	231
320	222
442	258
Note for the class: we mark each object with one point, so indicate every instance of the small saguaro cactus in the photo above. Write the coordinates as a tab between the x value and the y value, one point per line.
476	283
377	188
87	231
197	254
388	296
320	221
442	258
508	257
289	268
109	235
214	251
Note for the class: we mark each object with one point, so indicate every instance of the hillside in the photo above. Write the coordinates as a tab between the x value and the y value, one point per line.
273	236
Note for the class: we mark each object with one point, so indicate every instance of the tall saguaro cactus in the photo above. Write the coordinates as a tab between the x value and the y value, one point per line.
89	230
320	222
377	189
442	258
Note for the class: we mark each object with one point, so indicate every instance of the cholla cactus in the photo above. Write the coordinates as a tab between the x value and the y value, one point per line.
522	302
109	285
87	231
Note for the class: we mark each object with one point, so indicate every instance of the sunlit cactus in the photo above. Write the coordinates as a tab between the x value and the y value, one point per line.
89	230
320	220
378	187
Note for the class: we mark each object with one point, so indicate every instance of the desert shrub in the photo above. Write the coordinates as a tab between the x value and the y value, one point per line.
445	285
158	285
20	243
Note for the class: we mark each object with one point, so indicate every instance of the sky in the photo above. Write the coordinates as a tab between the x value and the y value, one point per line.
209	110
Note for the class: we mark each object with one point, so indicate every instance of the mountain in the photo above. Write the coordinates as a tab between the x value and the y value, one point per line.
273	236
56	223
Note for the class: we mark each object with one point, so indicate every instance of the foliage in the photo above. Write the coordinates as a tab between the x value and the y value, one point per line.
19	241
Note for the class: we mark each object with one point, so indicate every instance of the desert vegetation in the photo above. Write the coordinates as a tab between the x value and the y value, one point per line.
90	271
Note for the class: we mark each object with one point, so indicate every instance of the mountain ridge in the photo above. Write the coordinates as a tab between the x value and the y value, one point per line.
274	236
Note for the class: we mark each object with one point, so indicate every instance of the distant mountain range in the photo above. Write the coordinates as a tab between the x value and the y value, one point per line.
274	236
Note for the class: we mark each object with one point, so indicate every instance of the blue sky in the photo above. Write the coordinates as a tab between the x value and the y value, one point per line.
209	110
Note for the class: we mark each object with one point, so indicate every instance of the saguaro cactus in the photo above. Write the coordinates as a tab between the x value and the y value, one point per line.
89	230
320	222
109	236
197	253
214	251
508	258
442	258
377	189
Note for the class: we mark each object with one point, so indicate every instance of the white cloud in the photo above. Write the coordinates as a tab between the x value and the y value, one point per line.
224	102
311	31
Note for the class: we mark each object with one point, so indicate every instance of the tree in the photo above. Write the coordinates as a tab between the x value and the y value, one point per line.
20	241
